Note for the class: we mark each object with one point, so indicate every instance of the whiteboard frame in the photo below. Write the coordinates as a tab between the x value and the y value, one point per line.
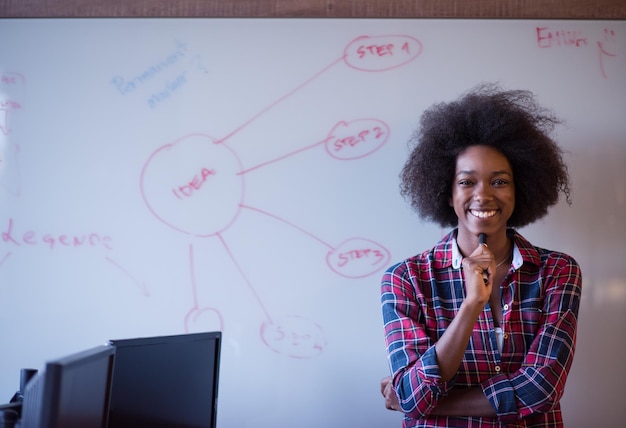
529	9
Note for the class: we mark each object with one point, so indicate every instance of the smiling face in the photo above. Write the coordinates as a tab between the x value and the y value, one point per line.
483	192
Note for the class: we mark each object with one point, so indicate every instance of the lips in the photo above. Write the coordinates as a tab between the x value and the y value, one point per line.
483	214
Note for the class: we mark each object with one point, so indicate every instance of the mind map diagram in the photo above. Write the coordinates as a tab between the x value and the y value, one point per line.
204	198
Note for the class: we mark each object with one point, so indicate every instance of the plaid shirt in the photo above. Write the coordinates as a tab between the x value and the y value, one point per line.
540	299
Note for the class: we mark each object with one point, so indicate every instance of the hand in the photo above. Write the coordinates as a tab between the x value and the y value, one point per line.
391	399
478	263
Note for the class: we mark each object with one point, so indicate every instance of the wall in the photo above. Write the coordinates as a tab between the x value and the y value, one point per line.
162	176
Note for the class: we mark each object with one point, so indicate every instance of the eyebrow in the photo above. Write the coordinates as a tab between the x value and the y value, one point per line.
494	173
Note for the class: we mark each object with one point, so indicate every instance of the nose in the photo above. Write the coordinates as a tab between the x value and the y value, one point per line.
482	192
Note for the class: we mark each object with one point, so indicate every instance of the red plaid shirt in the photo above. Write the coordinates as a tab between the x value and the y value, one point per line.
524	383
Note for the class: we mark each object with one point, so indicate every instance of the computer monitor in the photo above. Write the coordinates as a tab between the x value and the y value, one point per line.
165	381
70	392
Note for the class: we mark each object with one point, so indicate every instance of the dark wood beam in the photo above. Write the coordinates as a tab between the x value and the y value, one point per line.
520	9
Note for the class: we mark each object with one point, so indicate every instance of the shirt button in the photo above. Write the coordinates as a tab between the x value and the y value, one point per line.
506	336
498	369
506	307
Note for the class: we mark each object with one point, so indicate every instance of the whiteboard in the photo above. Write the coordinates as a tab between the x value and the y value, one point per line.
164	176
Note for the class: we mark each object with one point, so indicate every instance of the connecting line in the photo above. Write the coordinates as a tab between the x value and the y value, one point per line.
245	171
194	287
4	259
139	284
256	295
289	223
283	98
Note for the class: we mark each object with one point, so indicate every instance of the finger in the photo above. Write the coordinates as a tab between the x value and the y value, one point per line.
480	251
485	275
389	403
384	382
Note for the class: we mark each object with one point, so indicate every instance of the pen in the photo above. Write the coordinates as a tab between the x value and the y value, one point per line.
482	239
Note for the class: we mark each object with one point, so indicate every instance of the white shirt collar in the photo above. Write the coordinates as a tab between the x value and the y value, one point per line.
457	257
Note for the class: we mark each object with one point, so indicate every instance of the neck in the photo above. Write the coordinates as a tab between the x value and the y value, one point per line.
506	257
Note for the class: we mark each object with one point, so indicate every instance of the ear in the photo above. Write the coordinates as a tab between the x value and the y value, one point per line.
450	201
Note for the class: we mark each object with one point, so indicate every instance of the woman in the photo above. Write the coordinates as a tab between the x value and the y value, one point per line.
482	334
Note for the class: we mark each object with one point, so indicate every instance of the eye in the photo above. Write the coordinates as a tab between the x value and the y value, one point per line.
500	182
465	182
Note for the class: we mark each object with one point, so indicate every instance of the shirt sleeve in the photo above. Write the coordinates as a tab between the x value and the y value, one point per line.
539	384
411	353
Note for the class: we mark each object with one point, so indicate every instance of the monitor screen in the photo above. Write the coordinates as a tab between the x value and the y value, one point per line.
71	392
165	381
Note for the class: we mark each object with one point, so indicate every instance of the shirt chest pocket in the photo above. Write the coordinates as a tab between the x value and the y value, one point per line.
529	322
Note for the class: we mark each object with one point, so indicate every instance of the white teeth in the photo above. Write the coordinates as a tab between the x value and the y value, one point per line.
483	214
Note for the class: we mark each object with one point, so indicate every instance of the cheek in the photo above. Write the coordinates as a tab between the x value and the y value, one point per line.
459	197
510	203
